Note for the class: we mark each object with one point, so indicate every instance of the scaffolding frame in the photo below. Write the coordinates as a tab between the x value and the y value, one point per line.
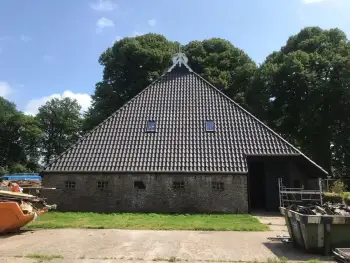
289	196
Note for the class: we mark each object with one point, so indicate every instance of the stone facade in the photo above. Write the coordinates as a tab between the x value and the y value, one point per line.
176	193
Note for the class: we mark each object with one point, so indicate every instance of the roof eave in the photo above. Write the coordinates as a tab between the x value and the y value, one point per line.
146	172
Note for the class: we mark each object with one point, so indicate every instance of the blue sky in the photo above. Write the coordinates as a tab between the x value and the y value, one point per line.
51	48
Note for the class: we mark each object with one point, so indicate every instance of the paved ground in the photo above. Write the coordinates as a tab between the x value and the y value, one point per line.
90	246
99	245
274	220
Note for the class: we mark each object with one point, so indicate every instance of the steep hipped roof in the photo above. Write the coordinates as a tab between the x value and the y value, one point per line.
179	102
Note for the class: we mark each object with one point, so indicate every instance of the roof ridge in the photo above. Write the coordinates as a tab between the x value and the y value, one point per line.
260	122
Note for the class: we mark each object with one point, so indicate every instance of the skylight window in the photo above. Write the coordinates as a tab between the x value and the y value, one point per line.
151	126
209	126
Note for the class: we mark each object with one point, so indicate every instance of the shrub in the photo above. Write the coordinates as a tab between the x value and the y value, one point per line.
338	187
332	197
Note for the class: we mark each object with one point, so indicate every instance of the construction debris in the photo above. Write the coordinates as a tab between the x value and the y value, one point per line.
326	209
23	183
28	203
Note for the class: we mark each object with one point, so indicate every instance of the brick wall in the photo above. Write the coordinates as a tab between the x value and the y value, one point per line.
121	195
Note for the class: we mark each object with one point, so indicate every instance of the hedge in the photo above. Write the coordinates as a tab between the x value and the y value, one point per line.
337	198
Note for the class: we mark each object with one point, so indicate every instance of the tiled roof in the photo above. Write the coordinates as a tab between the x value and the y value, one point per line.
179	102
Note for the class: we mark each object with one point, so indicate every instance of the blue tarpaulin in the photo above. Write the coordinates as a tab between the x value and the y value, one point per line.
17	177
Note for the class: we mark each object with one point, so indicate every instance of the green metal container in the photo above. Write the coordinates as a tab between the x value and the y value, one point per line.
317	234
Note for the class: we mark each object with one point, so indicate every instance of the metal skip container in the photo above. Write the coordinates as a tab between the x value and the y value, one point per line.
317	233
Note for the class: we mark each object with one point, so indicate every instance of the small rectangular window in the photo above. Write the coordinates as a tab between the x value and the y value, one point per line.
217	186
139	185
151	126
209	126
178	185
69	184
102	185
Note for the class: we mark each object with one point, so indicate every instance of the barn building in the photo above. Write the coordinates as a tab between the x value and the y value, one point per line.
180	145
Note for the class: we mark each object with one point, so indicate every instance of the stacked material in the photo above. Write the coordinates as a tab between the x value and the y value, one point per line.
23	183
326	209
28	203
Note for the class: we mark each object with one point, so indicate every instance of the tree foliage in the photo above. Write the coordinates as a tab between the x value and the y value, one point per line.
222	64
19	140
61	123
302	91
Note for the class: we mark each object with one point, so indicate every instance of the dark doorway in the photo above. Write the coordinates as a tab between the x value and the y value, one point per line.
256	186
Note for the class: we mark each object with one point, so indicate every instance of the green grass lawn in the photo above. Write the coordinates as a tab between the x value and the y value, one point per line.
233	222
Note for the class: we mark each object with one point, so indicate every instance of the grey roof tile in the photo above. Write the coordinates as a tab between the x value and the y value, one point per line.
180	102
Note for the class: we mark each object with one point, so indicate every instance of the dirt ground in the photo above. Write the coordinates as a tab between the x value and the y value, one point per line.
100	245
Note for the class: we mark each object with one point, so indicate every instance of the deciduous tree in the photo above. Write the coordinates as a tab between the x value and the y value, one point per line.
302	91
20	137
61	123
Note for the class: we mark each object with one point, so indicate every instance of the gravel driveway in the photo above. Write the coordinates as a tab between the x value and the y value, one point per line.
101	245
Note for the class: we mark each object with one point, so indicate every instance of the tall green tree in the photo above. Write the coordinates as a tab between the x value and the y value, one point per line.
129	66
302	91
222	64
20	137
61	123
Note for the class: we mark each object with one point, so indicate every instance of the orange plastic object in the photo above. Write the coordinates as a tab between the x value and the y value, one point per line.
12	217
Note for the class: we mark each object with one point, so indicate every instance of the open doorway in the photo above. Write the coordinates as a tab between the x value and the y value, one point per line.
256	187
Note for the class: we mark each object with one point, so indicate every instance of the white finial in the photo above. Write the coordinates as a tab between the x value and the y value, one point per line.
180	59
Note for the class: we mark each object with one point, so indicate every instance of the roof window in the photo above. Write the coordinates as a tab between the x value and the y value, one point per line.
209	126
151	126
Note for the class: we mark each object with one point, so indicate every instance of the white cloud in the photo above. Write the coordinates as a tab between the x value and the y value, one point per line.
5	89
104	5
83	99
313	1
104	22
47	58
25	38
152	22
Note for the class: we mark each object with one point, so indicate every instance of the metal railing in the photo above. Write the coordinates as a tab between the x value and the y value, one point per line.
289	196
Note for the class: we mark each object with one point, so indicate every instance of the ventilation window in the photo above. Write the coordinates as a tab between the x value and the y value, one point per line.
178	185
217	186
139	185
209	126
151	126
69	184
102	185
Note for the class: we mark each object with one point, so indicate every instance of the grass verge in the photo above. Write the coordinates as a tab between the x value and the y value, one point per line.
226	222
